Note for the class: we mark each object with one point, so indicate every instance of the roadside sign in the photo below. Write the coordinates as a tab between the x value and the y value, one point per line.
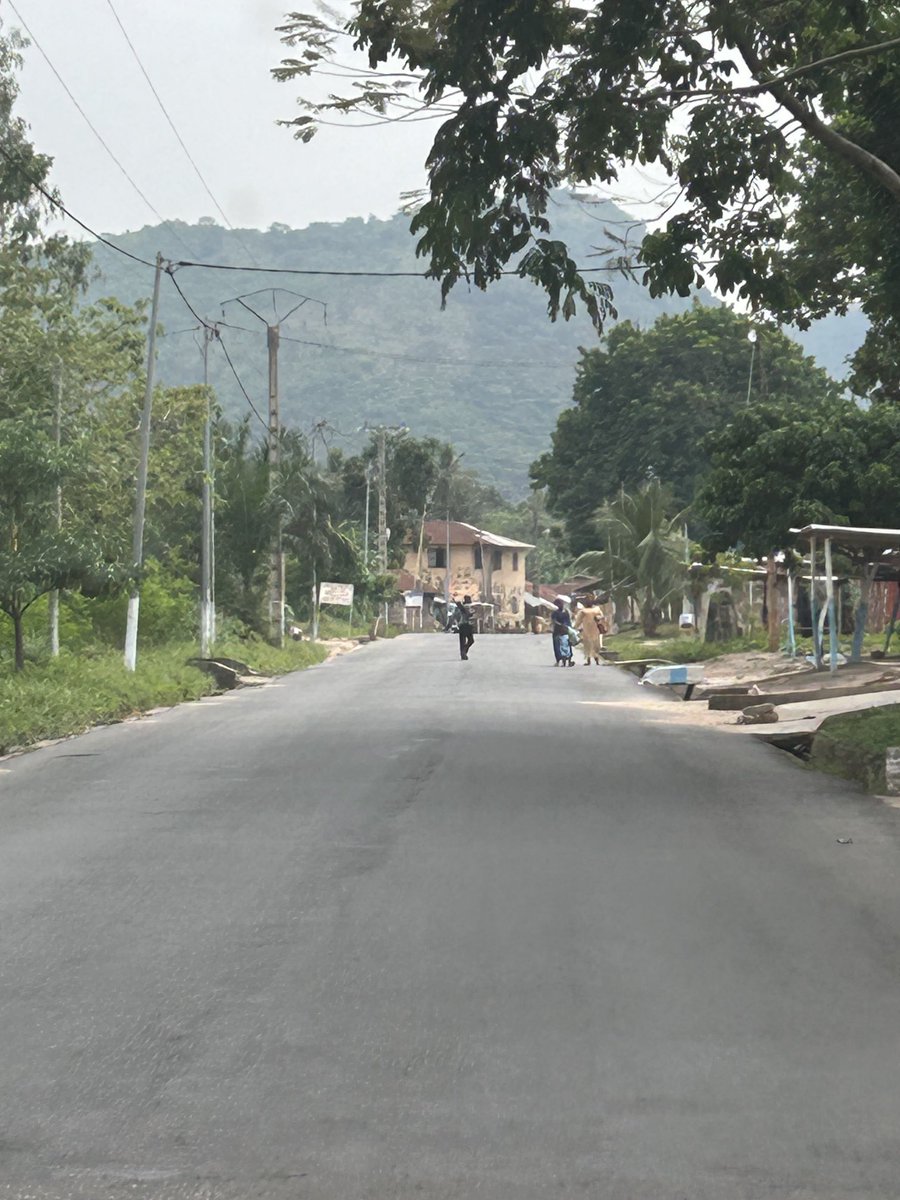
336	593
414	599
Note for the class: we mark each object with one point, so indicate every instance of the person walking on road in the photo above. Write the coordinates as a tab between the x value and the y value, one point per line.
590	624
465	626
561	628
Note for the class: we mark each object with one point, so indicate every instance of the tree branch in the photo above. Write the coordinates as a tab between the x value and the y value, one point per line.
883	174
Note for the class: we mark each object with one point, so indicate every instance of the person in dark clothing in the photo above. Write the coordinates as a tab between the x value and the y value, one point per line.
561	628
465	626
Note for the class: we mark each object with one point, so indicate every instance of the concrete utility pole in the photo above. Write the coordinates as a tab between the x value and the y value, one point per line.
382	509
57	437
140	498
366	529
382	501
207	604
276	565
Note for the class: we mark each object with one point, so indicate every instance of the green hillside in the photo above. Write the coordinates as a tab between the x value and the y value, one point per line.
489	373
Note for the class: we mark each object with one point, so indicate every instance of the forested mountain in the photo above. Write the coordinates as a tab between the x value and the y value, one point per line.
489	373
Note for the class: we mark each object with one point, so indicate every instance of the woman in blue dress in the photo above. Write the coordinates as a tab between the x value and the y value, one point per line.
561	629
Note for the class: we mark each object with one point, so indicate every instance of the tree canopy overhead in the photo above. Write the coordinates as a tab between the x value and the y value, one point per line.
730	98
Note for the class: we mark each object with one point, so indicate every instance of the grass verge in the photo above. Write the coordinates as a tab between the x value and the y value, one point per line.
73	692
853	745
678	649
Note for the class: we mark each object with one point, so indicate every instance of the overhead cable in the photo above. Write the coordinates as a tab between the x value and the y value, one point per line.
240	384
93	128
16	162
431	362
351	274
172	126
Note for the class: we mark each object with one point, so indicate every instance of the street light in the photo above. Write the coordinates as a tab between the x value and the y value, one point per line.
751	338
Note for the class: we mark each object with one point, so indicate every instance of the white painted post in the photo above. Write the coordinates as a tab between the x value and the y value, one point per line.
832	616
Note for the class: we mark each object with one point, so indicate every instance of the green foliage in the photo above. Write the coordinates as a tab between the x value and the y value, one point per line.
774	468
72	693
168	613
531	96
643	551
876	729
489	374
21	208
422	476
683	649
645	400
35	555
530	521
837	260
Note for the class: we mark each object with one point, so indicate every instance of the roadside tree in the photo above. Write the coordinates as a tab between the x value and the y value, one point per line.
643	551
35	556
727	99
774	468
645	400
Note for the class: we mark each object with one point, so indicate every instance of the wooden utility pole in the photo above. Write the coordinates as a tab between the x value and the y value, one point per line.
140	497
276	566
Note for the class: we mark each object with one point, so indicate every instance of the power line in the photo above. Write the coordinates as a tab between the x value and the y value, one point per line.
16	162
256	411
172	126
93	128
170	272
351	274
431	362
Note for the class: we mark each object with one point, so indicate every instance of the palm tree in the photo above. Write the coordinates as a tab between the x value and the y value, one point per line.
644	548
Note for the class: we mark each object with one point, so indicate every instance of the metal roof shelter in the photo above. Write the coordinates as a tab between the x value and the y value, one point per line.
873	547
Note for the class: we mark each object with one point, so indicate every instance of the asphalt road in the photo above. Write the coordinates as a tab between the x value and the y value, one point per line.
406	928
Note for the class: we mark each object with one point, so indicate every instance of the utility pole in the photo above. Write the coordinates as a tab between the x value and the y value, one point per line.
382	501
366	528
207	604
382	509
140	498
273	443
57	437
276	565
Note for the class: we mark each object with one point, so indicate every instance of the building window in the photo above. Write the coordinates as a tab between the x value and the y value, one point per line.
515	563
497	561
478	563
437	556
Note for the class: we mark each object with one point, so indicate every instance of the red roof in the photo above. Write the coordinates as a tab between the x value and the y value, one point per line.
462	534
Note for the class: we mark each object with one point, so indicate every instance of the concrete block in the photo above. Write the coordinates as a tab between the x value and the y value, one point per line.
892	770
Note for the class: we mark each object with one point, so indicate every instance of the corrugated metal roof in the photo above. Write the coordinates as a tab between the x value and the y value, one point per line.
463	534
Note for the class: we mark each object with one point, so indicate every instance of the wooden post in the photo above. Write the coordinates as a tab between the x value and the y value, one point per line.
772	581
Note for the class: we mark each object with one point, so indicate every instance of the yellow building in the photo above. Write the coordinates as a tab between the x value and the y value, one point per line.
483	565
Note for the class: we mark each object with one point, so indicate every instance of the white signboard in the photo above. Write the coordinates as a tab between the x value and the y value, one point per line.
336	593
414	599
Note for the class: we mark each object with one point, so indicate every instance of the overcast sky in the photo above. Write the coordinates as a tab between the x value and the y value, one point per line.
210	63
